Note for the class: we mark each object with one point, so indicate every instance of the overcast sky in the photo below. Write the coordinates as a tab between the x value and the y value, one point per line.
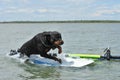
46	10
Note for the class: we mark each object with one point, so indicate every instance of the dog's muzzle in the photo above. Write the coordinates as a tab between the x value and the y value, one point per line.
59	42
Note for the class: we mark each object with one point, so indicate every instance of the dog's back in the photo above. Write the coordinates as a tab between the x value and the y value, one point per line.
36	45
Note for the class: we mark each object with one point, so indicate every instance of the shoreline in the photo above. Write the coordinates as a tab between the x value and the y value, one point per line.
67	21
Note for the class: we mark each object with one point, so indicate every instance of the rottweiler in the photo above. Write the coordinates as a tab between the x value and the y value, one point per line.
43	43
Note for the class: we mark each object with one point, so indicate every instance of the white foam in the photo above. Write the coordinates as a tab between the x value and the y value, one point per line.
17	57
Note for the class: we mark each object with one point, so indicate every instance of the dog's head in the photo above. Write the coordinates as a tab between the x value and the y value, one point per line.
54	38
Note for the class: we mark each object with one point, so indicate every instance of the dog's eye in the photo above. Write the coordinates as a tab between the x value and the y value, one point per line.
56	39
59	36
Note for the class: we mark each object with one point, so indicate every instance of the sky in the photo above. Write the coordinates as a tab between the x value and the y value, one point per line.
52	10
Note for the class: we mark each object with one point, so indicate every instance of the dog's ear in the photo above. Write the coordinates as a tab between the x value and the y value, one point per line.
48	36
56	35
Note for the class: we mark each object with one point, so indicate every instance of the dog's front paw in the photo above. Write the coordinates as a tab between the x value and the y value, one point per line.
60	61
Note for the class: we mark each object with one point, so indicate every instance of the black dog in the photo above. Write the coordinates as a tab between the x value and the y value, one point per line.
42	43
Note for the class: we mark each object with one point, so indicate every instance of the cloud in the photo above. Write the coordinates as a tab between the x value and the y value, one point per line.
13	10
107	11
47	10
5	0
59	9
43	10
29	10
25	1
81	1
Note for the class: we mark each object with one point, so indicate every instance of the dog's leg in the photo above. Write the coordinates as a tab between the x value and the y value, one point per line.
21	55
51	57
59	49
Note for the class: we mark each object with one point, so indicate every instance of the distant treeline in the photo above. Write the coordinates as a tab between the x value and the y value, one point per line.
69	21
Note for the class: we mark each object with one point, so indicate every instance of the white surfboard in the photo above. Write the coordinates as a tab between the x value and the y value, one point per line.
66	61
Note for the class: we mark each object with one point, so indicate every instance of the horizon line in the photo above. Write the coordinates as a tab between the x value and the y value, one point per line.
62	21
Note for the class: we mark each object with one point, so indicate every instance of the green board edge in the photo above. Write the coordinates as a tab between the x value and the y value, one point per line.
85	56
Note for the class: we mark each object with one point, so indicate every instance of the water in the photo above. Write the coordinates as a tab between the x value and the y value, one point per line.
78	37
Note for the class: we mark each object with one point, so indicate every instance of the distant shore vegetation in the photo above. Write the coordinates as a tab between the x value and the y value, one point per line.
68	21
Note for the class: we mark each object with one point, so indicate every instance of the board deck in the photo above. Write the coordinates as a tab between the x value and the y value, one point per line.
66	61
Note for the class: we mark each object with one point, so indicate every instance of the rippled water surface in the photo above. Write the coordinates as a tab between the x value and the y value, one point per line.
78	37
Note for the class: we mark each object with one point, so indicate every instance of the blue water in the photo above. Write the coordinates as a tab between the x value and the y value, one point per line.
78	37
